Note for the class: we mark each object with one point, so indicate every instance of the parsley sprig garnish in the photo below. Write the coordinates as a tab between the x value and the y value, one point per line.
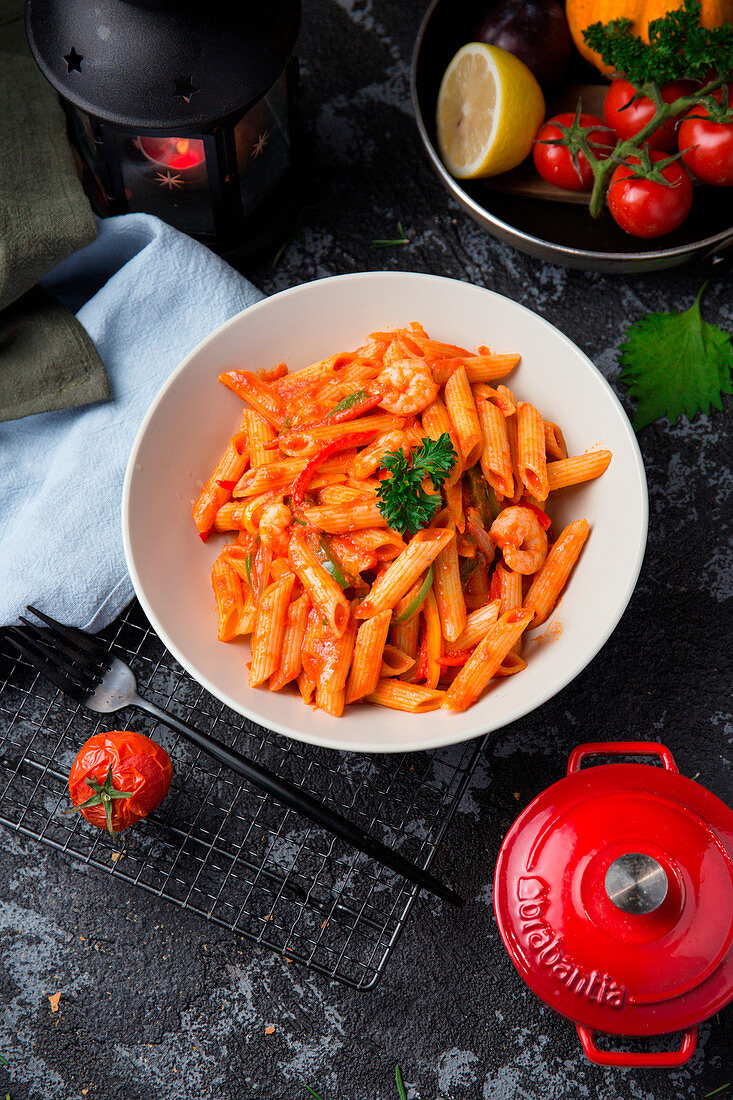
401	499
679	47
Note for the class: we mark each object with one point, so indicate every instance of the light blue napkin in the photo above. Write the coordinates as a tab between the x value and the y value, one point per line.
146	295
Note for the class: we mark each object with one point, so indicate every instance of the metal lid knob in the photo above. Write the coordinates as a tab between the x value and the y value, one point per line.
636	883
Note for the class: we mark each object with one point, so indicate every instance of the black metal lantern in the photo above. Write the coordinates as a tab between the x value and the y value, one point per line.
181	109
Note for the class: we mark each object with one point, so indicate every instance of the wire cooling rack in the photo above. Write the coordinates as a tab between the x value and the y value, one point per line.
219	847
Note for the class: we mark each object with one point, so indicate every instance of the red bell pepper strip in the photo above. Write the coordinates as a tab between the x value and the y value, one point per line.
543	517
226	484
458	658
421	669
495	586
304	478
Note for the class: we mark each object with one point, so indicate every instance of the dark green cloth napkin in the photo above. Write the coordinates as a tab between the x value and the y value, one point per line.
47	360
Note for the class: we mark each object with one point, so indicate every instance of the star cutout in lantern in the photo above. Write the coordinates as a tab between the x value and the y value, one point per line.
169	181
73	61
185	88
259	145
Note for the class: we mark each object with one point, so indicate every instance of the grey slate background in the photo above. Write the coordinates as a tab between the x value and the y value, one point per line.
155	1003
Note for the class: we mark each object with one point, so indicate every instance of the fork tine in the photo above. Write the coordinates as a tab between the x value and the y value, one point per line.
83	678
54	641
87	642
51	672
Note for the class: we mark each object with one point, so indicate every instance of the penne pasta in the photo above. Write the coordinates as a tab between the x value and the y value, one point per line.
496	455
555	447
412	698
435	421
498	397
478	368
323	591
269	630
368	653
331	684
531	461
572	471
260	395
339	519
478	623
461	408
281	474
549	582
218	489
306	687
512	663
433	640
510	594
302	444
229	598
406	636
341	494
368	459
391	585
342	608
449	593
291	658
485	659
259	434
395	661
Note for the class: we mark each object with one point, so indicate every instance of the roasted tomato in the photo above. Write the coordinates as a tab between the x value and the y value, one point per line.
627	118
563	162
118	778
649	205
707	147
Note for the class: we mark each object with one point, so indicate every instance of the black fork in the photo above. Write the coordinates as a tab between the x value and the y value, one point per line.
82	667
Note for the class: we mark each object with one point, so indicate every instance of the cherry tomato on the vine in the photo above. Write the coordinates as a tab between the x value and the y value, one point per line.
566	165
626	121
648	207
707	147
118	778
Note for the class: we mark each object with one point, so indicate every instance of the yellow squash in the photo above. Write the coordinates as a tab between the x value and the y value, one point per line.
581	13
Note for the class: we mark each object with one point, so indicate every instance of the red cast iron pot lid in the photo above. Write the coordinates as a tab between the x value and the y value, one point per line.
614	896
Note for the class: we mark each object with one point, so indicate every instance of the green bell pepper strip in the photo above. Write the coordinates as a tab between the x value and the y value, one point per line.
485	497
414	605
330	564
355	398
248	569
466	568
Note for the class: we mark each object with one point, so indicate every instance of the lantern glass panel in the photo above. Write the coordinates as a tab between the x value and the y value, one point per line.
89	149
262	141
167	176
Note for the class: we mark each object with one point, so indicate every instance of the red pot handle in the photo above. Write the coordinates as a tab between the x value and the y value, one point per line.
620	748
642	1060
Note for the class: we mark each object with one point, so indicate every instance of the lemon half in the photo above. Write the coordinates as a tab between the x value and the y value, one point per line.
489	109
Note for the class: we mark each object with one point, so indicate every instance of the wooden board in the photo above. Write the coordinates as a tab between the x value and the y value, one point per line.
525	179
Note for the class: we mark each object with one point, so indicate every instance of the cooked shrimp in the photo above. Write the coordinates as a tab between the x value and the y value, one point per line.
406	386
520	536
274	523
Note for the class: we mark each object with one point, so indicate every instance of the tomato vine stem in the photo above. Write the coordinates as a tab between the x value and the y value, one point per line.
603	169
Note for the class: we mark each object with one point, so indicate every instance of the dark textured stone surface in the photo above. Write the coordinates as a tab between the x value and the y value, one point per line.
155	1003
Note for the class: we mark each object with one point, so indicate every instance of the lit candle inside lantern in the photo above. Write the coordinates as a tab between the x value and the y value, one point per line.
177	153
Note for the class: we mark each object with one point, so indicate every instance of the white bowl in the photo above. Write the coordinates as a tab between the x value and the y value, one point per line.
193	416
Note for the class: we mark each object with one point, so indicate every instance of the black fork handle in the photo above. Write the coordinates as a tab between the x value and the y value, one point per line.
295	798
